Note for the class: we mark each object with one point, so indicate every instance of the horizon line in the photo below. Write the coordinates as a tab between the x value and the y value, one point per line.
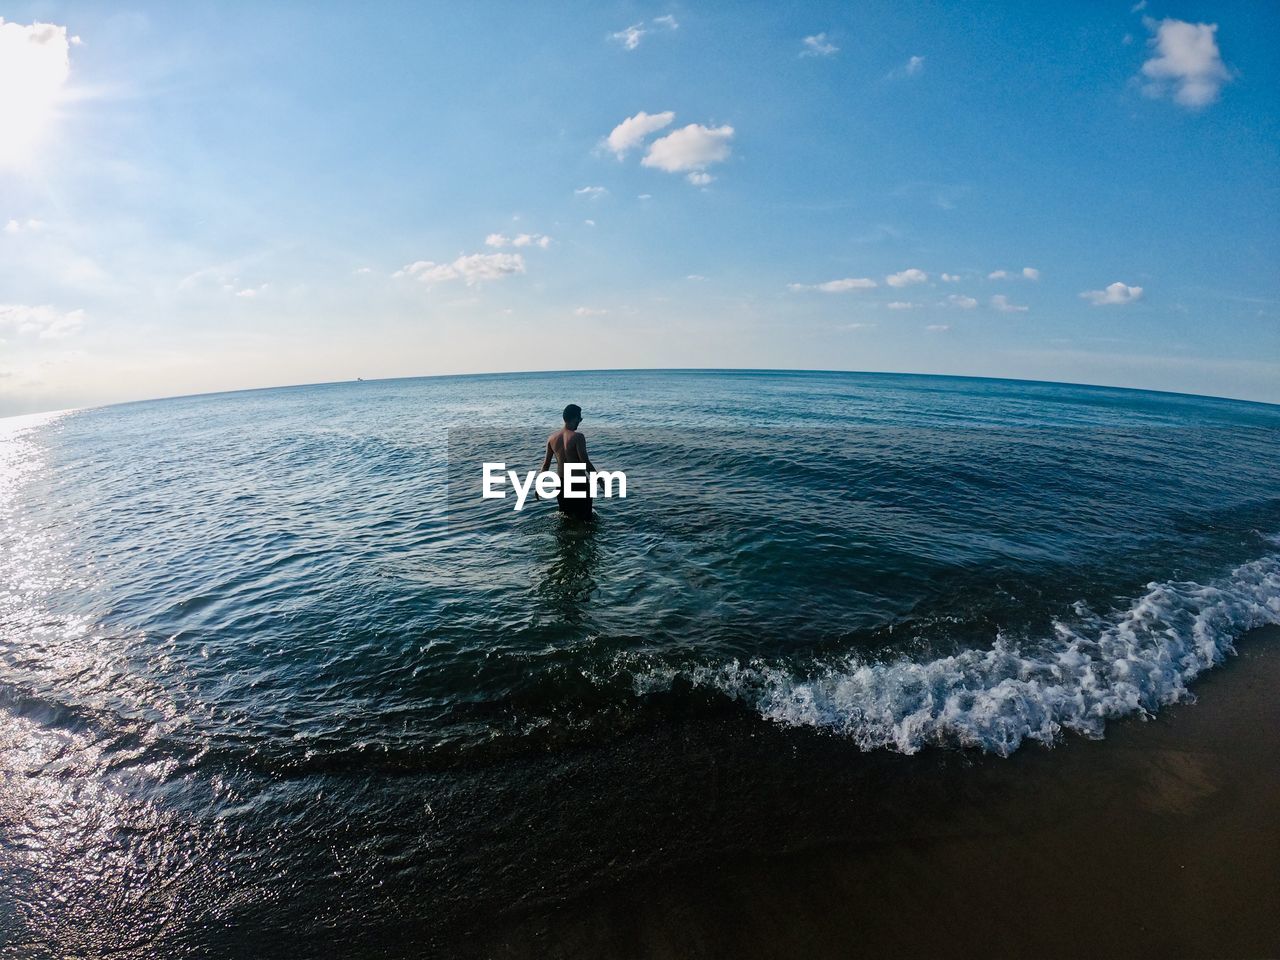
587	370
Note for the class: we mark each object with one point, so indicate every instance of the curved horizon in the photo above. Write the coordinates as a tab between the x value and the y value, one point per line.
620	370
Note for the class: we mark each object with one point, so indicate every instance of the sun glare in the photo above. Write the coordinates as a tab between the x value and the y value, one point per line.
34	63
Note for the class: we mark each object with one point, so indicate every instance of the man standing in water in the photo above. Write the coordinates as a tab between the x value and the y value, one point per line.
569	446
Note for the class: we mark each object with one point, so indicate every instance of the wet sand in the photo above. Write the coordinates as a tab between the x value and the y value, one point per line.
1163	840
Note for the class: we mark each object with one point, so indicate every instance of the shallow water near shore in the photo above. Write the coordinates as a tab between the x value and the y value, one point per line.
271	675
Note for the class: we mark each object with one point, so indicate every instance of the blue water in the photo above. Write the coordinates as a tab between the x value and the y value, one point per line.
268	664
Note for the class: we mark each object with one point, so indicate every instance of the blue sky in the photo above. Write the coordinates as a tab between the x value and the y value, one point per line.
199	197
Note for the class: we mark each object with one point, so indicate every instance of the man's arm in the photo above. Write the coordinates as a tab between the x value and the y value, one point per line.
546	465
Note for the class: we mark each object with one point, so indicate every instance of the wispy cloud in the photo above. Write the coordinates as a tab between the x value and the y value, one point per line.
1026	273
906	278
961	301
938	327
44	322
472	269
22	226
590	193
835	286
818	46
1001	302
1114	294
631	36
519	240
1187	64
900	305
911	68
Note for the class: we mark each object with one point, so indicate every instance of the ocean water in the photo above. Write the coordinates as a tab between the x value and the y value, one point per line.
272	672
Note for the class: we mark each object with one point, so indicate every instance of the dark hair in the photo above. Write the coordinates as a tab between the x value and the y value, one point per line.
572	412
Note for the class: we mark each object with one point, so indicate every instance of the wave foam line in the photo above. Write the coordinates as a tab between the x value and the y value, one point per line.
1091	669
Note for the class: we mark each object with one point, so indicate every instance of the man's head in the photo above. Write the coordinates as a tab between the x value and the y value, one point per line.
572	416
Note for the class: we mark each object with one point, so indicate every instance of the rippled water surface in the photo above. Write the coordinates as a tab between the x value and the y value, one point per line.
269	666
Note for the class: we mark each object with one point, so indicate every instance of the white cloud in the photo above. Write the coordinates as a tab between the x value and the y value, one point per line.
630	133
591	193
18	226
1026	273
362	270
909	69
34	65
1187	63
472	269
690	148
835	286
540	240
1138	7
700	179
1001	302
900	305
496	240
1114	295
938	327
589	312
589	223
818	46
631	36
906	278
860	326
695	276
644	196
43	322
950	278
248	293
961	301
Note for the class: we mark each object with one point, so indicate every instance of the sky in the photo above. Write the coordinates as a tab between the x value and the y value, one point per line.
199	197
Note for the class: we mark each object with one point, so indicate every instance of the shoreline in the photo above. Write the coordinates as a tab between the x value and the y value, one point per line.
1160	840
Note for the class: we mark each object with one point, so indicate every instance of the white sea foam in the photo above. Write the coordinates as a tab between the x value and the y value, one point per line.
1092	668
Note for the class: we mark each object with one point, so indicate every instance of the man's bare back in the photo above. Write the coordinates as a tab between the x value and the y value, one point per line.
566	446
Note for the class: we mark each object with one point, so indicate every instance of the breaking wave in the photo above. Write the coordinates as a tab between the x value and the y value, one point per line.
1093	667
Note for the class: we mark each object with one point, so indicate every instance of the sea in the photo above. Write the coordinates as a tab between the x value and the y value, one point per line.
276	680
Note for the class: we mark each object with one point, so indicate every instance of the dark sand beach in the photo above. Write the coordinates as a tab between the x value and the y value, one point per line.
1162	840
